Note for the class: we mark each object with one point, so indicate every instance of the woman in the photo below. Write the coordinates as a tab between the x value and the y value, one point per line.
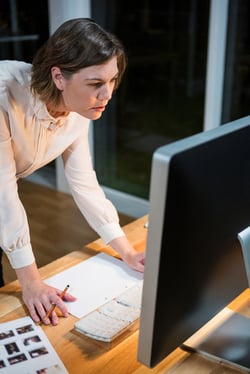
45	111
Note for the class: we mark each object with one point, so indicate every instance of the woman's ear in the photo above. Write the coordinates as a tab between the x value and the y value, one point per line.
57	77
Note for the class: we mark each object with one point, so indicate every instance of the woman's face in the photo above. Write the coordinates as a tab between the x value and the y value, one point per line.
88	91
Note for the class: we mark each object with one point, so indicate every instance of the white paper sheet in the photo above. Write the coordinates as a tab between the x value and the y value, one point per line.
94	282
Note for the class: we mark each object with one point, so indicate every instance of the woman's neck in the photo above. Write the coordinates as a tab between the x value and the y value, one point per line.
56	111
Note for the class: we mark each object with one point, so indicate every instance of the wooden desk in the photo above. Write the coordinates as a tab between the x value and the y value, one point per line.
83	355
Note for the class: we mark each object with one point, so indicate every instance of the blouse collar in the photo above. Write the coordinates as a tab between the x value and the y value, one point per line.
45	118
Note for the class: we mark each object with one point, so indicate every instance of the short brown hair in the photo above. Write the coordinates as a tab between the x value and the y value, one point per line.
76	44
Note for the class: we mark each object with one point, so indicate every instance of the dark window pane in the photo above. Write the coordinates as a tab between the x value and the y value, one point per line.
23	28
161	98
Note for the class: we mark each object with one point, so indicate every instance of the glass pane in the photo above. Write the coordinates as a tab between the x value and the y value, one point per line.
161	98
23	28
237	66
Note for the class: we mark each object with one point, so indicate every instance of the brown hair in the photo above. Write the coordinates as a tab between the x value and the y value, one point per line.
76	44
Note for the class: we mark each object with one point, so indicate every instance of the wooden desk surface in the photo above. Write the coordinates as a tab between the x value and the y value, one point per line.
83	355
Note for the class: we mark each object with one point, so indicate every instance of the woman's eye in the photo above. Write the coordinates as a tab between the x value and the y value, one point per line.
100	84
96	84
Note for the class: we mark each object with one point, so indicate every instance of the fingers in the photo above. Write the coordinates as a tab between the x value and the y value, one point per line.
45	314
34	314
138	262
140	268
69	297
43	304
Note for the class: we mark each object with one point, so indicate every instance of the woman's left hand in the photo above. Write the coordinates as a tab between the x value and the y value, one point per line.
129	255
135	260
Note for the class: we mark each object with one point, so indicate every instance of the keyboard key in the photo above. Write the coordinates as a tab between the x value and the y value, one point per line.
132	296
99	326
120	311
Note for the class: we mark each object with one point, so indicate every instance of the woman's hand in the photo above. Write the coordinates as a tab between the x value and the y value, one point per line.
135	260
129	255
39	297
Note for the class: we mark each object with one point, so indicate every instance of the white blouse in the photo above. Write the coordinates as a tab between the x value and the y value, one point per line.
29	139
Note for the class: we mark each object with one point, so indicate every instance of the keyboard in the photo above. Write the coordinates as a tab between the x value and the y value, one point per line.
114	317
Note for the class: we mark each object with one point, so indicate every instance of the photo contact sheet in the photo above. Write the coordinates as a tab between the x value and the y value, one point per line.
24	348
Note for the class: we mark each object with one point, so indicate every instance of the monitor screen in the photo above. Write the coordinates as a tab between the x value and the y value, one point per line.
199	202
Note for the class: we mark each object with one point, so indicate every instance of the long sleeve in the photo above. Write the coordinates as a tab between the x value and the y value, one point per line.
89	196
14	229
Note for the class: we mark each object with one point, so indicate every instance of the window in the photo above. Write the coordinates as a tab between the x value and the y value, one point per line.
23	28
161	98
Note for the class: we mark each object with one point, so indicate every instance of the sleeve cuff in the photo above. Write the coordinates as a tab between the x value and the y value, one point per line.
110	231
21	257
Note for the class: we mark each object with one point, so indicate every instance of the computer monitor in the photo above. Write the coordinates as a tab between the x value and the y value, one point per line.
199	203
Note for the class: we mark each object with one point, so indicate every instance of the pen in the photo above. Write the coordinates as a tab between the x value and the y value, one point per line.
54	305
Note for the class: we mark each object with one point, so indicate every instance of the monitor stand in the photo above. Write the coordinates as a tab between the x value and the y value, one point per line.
226	338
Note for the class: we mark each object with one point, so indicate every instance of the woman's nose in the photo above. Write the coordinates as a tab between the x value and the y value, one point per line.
105	93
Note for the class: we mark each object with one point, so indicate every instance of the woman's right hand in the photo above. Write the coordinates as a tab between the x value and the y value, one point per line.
40	297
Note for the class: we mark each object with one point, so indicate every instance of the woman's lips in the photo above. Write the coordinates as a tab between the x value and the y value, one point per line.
99	108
